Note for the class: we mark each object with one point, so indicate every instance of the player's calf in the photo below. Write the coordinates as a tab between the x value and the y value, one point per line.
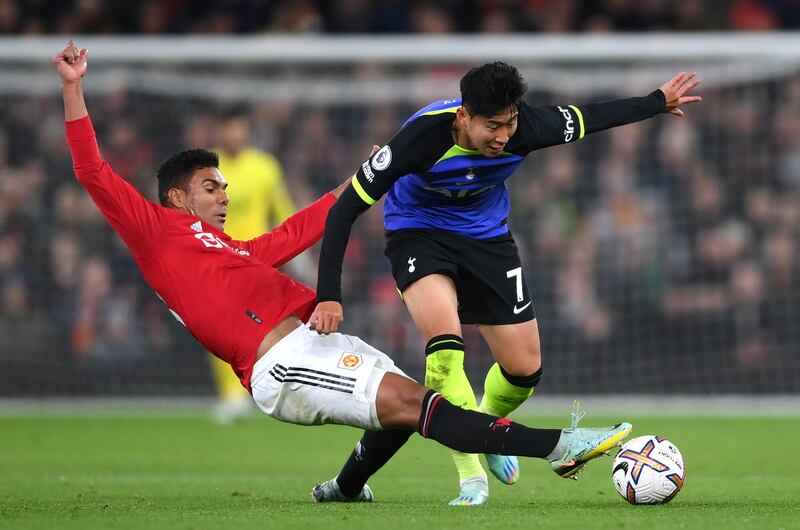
503	393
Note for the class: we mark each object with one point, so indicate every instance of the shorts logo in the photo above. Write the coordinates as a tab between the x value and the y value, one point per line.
350	361
518	310
382	158
411	267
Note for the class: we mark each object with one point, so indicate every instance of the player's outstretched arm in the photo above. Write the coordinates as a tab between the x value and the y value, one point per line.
675	92
71	64
136	219
668	98
544	126
329	313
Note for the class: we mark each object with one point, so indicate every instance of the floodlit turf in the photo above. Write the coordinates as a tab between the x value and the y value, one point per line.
182	471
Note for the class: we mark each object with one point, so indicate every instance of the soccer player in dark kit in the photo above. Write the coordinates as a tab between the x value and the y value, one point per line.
452	254
231	298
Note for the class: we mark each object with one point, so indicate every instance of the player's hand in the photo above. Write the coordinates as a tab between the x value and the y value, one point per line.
675	92
71	63
326	317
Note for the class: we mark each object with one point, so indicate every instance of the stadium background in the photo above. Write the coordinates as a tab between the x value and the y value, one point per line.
662	257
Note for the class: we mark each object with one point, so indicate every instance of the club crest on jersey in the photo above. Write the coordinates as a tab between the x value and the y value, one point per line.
382	158
350	360
197	226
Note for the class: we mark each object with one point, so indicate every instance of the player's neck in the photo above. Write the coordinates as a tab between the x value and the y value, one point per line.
461	138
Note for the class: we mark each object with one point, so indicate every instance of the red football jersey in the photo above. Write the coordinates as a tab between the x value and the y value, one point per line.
227	293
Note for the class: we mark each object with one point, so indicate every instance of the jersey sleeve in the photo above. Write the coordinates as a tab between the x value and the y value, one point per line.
415	147
544	126
293	236
136	219
334	243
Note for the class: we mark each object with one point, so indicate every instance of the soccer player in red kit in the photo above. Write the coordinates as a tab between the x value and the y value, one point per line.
232	299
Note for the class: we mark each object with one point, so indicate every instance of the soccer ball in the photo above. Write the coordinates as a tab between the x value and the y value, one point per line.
648	470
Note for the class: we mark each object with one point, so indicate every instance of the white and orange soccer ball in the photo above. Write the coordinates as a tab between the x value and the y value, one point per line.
648	470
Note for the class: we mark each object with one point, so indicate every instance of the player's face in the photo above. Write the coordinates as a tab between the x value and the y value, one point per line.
489	134
234	135
207	198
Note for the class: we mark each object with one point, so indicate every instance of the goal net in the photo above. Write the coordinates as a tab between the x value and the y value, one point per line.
662	257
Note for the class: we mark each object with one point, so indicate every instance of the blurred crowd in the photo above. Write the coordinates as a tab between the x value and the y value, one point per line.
391	16
663	254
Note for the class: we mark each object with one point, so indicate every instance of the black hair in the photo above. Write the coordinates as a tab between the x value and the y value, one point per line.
234	112
491	88
176	171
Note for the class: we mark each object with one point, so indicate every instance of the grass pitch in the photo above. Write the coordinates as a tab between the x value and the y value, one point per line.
179	470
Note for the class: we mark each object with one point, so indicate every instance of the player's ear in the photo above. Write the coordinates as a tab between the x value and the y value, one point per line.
462	116
176	198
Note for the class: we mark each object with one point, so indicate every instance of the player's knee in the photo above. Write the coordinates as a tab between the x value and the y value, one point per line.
404	414
523	367
399	402
411	410
526	362
525	380
533	351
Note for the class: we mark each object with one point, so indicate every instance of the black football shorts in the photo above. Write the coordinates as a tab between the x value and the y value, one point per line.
488	274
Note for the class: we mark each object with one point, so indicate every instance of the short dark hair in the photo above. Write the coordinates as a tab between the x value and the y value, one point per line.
176	171
234	112
491	88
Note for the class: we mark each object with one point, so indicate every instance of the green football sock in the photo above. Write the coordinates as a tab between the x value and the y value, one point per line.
503	393
444	373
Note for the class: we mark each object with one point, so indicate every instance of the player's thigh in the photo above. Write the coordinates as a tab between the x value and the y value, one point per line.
433	305
423	266
312	379
515	347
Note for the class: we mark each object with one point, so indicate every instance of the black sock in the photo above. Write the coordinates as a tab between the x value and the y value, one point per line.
474	432
373	450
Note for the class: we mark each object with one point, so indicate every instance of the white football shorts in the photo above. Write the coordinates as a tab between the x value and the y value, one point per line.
313	379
